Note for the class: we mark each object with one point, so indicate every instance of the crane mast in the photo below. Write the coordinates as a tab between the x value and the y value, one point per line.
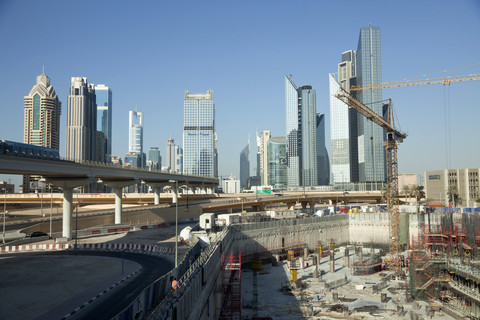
393	137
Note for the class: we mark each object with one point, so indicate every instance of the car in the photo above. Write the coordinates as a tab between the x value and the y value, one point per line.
278	195
35	234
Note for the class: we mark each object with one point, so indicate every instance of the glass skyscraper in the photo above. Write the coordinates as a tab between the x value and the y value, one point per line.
199	134
301	137
244	166
81	121
277	163
135	134
322	154
104	117
371	137
154	159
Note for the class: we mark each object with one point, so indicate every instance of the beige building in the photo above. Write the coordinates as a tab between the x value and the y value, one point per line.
262	144
406	179
438	182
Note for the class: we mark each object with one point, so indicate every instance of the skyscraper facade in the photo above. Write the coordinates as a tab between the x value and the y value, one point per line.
199	134
104	118
171	155
277	163
42	111
154	161
244	166
82	136
301	137
262	143
371	137
178	159
322	153
41	124
135	134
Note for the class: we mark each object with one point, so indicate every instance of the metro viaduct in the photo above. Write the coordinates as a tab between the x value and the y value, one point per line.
291	199
69	175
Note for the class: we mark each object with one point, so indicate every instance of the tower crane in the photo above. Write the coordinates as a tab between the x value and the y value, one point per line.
393	138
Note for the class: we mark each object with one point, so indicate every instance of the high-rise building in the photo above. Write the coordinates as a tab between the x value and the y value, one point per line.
171	155
178	159
371	137
82	134
42	111
244	166
104	119
301	124
322	153
262	143
135	134
154	161
41	124
277	163
199	134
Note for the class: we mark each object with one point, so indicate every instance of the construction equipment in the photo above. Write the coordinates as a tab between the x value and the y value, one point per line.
393	137
417	82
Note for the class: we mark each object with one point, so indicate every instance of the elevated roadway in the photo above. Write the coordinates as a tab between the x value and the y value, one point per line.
69	175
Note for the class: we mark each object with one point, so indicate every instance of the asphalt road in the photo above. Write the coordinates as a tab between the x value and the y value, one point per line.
117	299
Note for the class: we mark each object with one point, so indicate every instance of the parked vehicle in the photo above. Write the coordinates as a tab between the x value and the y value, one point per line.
35	234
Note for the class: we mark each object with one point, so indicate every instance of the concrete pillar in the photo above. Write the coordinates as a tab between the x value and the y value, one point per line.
332	261
304	205
118	205
291	205
305	252
347	257
67	213
156	195
230	210
174	196
311	204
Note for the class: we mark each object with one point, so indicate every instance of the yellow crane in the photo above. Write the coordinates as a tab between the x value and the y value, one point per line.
393	138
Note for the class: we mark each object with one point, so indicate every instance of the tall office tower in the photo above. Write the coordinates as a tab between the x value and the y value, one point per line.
135	134
104	119
81	121
244	166
41	124
178	159
277	163
343	123
199	134
215	162
322	153
301	124
371	137
171	155
154	161
262	143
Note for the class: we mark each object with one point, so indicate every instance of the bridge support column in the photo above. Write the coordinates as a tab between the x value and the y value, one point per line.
291	205
118	186
157	187
304	205
174	196
67	184
67	213
311	204
156	195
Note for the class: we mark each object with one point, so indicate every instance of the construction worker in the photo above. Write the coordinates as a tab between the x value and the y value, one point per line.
174	284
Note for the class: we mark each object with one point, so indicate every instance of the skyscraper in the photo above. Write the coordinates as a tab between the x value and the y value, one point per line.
371	137
42	111
104	118
178	159
262	143
41	124
322	153
154	161
82	136
301	125
244	166
199	134
135	134
277	163
171	162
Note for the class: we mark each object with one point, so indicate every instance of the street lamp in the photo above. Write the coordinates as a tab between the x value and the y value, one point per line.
51	210
176	221
4	212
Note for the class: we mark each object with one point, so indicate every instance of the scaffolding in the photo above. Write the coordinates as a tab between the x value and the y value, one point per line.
365	264
231	287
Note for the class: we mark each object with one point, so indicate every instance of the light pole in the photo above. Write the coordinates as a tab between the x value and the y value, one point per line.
176	221
76	223
51	210
4	212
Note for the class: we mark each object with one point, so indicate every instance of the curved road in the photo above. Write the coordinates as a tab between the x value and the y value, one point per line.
117	299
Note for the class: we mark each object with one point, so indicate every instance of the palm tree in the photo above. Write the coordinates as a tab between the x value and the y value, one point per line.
417	192
452	193
406	191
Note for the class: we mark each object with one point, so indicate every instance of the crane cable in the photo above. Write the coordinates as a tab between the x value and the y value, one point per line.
446	111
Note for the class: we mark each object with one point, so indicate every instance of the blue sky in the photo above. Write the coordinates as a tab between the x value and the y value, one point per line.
150	52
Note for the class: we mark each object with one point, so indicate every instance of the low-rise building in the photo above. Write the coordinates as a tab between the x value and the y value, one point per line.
439	182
